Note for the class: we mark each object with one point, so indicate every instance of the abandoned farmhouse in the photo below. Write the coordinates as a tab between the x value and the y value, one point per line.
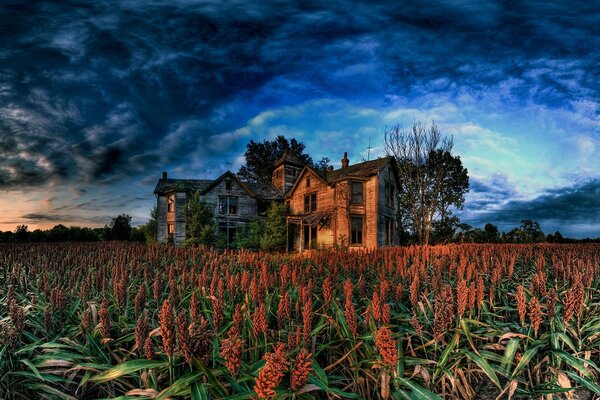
351	206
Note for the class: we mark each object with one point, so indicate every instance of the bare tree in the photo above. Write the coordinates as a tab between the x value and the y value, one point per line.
431	179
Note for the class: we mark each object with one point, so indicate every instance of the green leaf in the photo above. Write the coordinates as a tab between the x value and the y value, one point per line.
240	396
445	355
127	368
33	369
484	365
199	391
574	362
527	356
180	386
590	385
509	355
321	374
312	379
418	391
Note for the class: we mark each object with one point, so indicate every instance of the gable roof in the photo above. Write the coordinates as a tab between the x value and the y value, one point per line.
266	191
360	170
289	158
299	178
263	191
232	176
181	185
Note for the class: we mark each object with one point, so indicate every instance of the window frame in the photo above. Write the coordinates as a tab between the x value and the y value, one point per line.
171	203
224	205
389	231
390	195
310	202
360	232
353	193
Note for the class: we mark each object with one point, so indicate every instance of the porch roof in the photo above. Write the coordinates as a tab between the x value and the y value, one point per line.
311	219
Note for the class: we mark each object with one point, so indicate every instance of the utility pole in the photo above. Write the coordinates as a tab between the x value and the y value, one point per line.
369	150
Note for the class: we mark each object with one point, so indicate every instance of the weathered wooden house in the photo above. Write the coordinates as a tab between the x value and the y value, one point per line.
352	206
233	203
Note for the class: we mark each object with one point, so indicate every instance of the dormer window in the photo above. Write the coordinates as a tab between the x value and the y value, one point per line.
228	184
307	182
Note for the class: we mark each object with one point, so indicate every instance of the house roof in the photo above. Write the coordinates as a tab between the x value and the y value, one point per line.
360	170
289	158
182	185
263	191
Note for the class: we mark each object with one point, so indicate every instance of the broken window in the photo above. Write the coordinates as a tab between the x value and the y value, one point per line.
356	228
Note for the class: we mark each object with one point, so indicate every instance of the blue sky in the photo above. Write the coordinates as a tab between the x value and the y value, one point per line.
98	98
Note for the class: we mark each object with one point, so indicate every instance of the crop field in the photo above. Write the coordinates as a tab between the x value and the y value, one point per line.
130	321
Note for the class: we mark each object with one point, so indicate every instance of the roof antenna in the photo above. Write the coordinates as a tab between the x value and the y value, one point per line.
369	150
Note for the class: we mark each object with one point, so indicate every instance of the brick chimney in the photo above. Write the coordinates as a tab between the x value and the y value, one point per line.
164	175
345	160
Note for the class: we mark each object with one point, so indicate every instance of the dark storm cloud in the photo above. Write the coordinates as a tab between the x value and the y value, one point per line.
101	91
574	210
39	217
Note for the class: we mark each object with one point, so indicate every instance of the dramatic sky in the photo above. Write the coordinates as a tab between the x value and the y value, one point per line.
97	98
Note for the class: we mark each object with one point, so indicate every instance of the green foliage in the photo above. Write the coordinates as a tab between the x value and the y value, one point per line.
260	158
151	227
251	235
119	228
528	232
274	236
200	222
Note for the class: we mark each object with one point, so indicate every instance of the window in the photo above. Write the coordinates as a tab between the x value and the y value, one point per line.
307	182
277	173
310	202
171	229
228	234
171	203
233	205
390	195
228	184
356	228
357	193
389	231
228	205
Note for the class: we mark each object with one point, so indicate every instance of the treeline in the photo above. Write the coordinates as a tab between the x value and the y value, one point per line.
528	232
119	229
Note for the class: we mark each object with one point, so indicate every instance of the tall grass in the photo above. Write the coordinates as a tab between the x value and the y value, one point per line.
155	322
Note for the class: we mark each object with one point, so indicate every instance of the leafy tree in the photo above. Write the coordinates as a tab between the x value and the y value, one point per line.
21	233
433	181
274	237
492	234
200	222
557	237
120	227
252	234
58	233
528	232
260	158
151	227
444	229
